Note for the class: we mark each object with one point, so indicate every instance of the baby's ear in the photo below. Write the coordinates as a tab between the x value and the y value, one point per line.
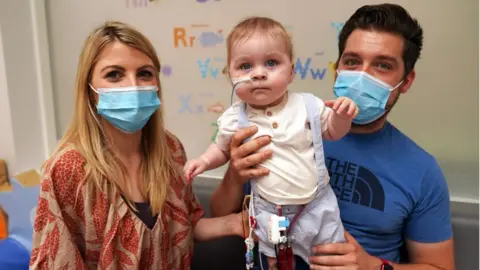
226	74
292	74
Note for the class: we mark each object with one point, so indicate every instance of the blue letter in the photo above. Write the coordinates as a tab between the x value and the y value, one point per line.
299	67
214	72
185	103
316	73
203	66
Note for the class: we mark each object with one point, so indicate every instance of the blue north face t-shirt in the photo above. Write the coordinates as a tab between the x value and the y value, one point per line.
388	189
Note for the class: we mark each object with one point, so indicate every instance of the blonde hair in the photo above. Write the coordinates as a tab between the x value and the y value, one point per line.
263	25
87	136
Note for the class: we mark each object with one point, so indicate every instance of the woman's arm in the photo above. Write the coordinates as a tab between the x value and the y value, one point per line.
204	228
53	239
210	228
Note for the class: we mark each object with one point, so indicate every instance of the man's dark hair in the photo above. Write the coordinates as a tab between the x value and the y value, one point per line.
389	18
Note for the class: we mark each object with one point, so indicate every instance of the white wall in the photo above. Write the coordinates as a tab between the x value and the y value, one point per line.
27	132
7	149
27	118
440	112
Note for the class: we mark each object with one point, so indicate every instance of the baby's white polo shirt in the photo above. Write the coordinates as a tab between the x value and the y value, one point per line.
293	173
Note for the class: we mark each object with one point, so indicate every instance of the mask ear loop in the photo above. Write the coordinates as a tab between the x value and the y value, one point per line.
93	88
236	82
398	85
94	114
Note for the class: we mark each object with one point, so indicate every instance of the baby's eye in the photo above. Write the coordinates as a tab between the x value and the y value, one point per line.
271	63
245	66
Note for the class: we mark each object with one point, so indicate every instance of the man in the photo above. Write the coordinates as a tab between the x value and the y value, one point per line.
392	194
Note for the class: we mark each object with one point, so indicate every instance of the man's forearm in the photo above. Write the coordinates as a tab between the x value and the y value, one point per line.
417	267
228	197
372	262
412	266
210	228
432	256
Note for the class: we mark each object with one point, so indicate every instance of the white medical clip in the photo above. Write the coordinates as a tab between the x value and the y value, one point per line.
276	225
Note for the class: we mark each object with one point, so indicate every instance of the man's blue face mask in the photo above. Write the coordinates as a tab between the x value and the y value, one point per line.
128	108
369	93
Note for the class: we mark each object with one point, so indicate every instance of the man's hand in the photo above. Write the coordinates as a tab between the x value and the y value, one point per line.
243	160
343	107
244	157
345	256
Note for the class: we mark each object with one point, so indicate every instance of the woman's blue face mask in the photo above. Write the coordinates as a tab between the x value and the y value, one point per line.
128	108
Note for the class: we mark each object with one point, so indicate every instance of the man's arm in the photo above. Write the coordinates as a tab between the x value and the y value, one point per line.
229	194
426	256
351	255
428	231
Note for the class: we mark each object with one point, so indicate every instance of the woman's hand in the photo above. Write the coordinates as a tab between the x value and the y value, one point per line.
244	157
345	256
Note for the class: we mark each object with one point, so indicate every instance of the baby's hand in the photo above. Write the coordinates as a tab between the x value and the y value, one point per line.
194	168
343	107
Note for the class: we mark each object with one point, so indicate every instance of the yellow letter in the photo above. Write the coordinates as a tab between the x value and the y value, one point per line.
332	68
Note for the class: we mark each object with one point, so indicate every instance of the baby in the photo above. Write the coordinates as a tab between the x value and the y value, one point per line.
260	64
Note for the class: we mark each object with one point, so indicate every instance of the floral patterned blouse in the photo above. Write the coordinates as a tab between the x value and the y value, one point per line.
98	230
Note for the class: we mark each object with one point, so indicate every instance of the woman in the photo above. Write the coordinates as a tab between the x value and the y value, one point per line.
113	195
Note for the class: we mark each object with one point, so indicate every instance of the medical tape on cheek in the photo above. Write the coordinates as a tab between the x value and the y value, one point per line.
236	82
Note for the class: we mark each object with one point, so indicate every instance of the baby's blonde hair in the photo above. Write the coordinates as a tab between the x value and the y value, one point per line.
263	25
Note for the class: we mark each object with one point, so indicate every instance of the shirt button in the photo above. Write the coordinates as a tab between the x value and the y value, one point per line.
275	125
269	113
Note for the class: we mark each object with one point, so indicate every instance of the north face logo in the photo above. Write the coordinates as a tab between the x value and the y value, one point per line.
355	184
